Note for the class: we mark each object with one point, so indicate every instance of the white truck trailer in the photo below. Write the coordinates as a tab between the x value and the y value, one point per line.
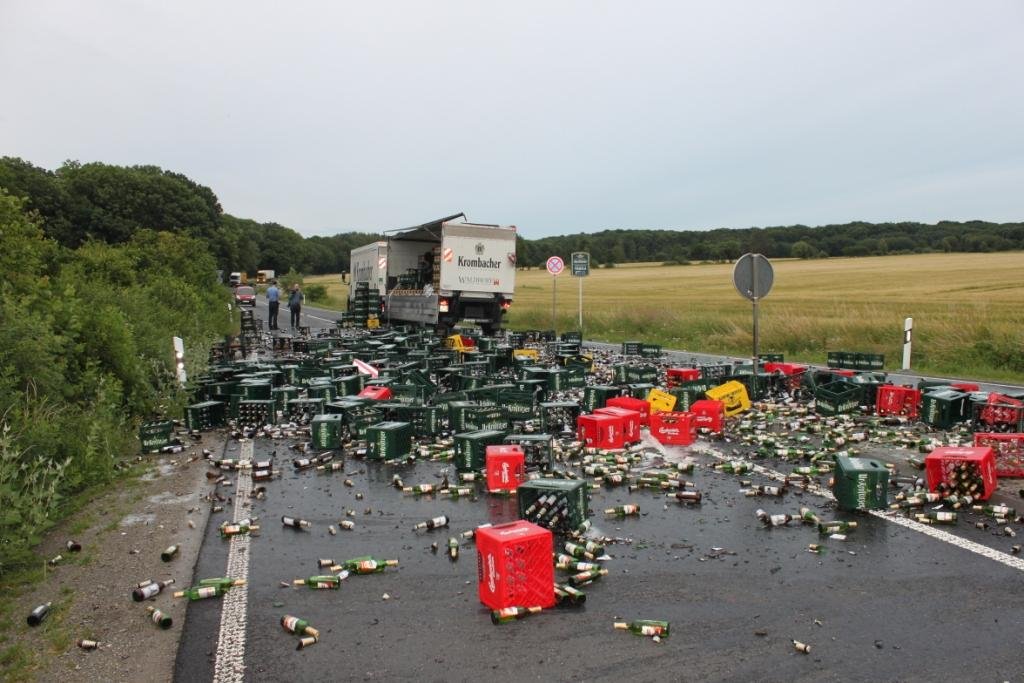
441	273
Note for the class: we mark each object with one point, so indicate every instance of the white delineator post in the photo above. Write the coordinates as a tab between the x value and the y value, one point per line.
908	328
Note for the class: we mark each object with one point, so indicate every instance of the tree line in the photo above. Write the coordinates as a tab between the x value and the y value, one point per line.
81	202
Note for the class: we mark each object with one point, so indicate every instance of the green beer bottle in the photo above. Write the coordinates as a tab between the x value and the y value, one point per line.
324	581
644	627
368	565
836	527
159	618
587	577
568	595
223	583
623	510
298	626
507	614
200	592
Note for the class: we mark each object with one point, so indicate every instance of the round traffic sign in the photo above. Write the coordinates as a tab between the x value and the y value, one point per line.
556	265
753	276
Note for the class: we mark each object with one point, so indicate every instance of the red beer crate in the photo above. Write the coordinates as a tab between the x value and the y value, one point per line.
676	375
1008	449
942	463
1001	412
375	393
965	386
514	567
506	467
673	429
600	431
787	369
629	403
894	400
631	421
708	414
843	373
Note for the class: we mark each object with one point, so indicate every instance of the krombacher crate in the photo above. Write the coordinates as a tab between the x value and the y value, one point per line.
206	415
326	431
388	440
571	491
860	484
471	448
155	434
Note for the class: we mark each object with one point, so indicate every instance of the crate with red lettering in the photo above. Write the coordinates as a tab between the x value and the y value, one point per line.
630	421
708	414
675	376
896	400
1008	449
961	470
514	567
1000	413
375	393
506	467
630	403
600	431
673	429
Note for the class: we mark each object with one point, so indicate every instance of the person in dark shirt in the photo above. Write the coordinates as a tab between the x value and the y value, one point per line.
295	300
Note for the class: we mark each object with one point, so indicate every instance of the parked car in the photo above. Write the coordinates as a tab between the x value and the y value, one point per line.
245	296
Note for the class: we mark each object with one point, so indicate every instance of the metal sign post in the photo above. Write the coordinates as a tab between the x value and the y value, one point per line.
555	266
753	277
580	269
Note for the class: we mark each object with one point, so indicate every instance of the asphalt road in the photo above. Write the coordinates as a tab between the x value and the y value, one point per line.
888	604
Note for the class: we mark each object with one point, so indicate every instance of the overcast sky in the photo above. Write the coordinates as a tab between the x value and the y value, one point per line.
554	116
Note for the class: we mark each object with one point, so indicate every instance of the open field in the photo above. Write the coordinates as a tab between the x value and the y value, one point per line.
966	309
968	318
337	293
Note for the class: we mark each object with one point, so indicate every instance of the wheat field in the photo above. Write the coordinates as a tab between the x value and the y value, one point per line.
967	309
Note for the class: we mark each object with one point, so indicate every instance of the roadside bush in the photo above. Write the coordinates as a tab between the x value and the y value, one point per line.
316	292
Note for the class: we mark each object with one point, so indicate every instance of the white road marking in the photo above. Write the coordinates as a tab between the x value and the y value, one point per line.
888	515
229	666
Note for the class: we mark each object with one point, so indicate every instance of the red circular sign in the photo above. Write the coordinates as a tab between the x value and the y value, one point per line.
556	265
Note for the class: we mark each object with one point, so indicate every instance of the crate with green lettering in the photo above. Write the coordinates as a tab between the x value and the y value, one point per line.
326	430
860	484
425	420
348	385
206	415
358	420
869	361
457	414
486	417
639	389
596	396
257	412
388	440
559	417
943	408
538	449
571	493
155	434
537	387
216	390
325	391
650	350
471	448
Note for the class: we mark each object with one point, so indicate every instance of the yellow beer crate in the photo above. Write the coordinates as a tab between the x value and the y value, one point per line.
733	396
661	401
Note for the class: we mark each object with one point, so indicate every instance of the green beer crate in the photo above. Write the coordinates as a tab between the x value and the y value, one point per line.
639	389
348	385
869	361
572	337
860	484
944	408
425	420
457	414
597	395
206	415
388	440
836	398
217	390
257	412
869	383
571	491
650	350
641	373
631	348
282	395
326	430
359	420
486	418
559	416
305	408
538	449
771	358
324	391
519	404
471	448
155	434
536	387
